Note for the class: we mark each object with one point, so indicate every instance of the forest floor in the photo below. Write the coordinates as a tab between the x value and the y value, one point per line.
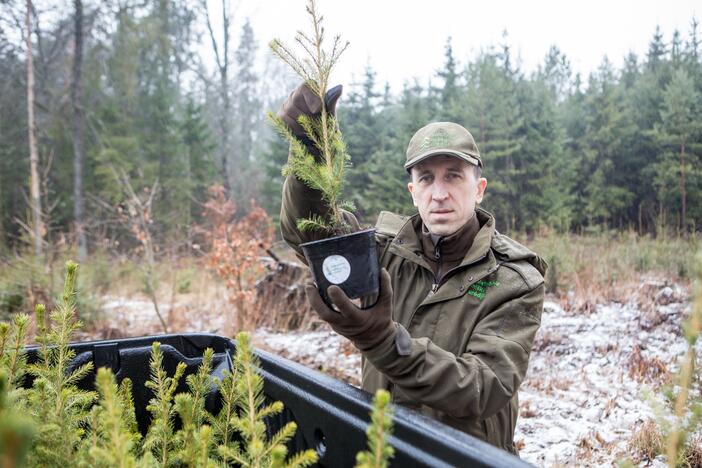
592	380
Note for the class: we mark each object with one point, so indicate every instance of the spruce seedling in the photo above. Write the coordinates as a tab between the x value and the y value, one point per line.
129	412
379	451
257	451
222	424
200	385
321	167
196	440
114	440
16	430
13	359
55	399
159	438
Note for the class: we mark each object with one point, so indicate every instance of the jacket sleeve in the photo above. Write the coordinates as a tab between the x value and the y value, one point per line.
481	380
300	201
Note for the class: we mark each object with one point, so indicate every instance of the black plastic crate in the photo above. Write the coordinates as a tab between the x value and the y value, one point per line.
331	415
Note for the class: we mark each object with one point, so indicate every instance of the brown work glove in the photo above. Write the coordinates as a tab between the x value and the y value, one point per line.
366	328
302	101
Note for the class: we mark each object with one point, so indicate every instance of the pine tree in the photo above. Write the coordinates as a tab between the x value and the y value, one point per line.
691	54
656	51
200	167
495	120
677	136
609	132
546	176
555	73
387	185
245	174
362	133
450	104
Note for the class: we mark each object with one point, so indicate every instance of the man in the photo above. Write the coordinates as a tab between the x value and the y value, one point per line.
459	303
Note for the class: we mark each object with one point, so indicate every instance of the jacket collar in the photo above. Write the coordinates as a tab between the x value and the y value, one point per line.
451	248
408	241
478	262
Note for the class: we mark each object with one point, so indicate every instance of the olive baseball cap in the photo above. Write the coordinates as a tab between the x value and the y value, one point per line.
442	138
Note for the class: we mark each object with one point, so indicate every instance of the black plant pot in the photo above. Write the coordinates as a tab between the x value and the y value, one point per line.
349	261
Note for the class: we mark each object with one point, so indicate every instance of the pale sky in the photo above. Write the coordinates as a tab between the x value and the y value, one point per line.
405	39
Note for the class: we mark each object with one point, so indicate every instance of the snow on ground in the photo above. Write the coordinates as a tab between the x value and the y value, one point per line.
584	394
124	317
322	350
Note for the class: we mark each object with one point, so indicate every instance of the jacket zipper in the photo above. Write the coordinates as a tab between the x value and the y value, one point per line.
438	282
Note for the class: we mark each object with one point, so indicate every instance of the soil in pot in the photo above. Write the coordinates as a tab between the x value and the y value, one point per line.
349	261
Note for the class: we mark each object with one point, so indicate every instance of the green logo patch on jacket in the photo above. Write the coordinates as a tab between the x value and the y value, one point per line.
479	288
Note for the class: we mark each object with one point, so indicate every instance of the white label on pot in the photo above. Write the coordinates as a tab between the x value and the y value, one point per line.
336	269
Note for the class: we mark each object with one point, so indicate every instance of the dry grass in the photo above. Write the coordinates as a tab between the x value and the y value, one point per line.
588	270
550	385
644	369
692	455
646	443
590	446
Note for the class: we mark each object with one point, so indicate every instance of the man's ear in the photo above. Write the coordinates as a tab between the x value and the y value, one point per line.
480	188
410	187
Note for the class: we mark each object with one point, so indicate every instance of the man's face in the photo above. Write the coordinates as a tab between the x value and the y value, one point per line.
445	190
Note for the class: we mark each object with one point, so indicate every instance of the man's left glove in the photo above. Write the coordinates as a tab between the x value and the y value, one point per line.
366	328
303	101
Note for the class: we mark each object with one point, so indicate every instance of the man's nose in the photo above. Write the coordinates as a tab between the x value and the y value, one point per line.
440	192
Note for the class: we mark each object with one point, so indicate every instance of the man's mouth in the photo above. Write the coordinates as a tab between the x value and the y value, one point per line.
441	211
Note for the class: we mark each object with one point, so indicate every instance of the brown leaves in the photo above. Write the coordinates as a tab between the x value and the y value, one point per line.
235	248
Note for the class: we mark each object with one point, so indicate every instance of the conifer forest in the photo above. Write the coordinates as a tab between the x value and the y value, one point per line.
134	140
125	100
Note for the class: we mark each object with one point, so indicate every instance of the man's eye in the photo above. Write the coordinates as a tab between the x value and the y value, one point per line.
425	178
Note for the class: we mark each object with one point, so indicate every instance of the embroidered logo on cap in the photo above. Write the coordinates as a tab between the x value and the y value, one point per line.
439	139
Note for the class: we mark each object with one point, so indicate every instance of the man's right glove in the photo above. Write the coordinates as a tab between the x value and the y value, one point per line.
366	328
302	101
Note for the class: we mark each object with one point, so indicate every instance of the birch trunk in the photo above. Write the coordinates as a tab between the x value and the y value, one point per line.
78	132
34	192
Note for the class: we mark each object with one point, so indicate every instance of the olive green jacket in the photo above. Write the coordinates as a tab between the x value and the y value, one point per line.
471	335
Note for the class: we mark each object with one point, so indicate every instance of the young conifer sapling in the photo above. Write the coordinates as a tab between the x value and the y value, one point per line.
323	171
